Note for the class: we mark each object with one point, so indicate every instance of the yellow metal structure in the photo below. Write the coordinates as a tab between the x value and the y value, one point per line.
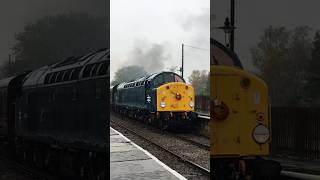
246	97
175	97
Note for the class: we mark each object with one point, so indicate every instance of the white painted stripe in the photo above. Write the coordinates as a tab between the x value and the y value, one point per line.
204	117
175	173
300	175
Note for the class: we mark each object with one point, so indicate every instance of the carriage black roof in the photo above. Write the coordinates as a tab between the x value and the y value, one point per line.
37	76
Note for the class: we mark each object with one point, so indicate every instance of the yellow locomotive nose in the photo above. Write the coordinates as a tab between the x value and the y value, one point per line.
175	96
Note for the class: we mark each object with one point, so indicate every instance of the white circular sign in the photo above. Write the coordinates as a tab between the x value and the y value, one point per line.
261	134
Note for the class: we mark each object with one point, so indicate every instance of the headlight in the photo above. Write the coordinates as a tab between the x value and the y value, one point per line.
163	104
261	134
191	104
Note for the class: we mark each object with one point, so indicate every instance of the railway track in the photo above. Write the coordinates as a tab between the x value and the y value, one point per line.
190	139
203	170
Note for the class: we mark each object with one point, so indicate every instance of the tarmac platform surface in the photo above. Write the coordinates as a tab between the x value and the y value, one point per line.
130	161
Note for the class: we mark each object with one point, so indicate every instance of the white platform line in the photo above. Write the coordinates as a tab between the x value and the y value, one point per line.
175	173
300	175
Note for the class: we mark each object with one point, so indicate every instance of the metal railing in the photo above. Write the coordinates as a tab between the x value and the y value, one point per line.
296	132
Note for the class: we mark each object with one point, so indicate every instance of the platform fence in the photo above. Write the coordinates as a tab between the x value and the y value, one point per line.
202	104
296	132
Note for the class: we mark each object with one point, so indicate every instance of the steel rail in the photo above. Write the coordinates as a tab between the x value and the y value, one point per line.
201	145
298	175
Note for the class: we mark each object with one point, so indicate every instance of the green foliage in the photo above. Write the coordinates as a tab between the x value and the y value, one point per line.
54	38
313	78
283	57
200	81
128	73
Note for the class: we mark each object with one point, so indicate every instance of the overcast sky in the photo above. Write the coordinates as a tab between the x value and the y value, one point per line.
15	14
252	17
150	33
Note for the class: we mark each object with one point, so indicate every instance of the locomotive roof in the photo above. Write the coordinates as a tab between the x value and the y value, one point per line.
144	78
37	76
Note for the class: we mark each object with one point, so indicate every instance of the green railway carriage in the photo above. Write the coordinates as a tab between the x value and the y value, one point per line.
57	115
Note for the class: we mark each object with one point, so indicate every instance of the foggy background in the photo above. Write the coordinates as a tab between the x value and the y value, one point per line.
150	33
16	14
252	17
279	41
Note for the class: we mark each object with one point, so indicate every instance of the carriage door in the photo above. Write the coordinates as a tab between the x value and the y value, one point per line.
32	112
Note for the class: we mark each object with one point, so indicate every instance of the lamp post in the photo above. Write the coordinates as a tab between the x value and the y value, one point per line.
182	55
229	28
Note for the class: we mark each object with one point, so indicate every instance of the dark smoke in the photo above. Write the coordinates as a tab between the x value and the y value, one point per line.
151	57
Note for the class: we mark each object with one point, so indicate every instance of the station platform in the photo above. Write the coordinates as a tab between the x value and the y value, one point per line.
311	167
130	161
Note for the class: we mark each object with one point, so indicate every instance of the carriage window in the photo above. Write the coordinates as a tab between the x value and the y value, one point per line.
94	70
47	78
53	77
103	69
87	70
67	75
75	73
59	77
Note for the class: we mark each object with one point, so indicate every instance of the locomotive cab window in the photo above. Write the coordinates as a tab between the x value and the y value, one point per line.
158	81
178	79
168	77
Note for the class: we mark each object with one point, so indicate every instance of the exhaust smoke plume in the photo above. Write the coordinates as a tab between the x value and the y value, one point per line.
152	58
